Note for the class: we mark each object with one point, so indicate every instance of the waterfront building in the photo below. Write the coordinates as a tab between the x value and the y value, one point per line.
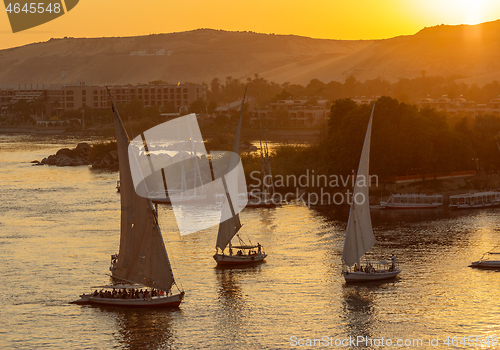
460	106
304	112
81	95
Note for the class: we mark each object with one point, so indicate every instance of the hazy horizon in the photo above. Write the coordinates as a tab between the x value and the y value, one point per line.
357	20
236	31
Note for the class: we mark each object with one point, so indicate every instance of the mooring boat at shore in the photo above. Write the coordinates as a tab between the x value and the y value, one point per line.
359	237
142	261
475	200
412	201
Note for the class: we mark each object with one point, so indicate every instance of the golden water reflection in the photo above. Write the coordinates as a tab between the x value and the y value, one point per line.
58	227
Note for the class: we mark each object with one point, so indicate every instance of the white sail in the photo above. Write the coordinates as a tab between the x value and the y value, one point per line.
142	257
268	162
359	236
229	228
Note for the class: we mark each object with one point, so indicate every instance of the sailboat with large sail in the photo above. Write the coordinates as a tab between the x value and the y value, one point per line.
359	237
142	265
246	253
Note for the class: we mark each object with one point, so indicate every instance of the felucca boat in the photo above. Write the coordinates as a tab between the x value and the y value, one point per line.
142	261
359	236
247	253
489	260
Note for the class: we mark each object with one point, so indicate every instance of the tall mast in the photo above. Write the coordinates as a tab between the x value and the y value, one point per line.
229	228
262	156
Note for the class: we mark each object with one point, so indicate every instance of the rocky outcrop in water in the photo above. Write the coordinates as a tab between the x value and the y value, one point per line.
81	155
69	157
109	161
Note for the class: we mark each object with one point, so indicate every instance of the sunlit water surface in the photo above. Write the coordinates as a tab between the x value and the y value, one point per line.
59	226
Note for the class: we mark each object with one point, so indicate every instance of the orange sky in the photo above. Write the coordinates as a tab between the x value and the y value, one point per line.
332	19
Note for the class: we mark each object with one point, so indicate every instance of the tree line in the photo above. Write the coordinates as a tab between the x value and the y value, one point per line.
404	90
405	141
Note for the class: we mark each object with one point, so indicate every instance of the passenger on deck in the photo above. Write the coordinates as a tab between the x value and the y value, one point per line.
259	248
394	261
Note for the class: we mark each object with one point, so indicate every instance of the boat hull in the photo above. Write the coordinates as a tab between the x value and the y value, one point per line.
262	205
492	264
474	206
377	207
234	260
360	276
161	201
162	301
423	206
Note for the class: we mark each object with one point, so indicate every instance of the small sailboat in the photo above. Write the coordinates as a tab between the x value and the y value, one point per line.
142	261
489	260
247	253
359	236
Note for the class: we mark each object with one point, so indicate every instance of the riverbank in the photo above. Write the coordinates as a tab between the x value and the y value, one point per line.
445	187
323	196
308	135
31	130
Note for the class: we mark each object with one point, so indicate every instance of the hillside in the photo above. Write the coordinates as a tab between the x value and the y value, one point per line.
465	51
469	52
196	56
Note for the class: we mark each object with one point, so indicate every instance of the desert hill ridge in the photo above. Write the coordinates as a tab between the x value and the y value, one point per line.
467	51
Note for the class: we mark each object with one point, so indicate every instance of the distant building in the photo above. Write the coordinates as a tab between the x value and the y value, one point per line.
365	100
78	96
6	95
175	95
294	112
460	106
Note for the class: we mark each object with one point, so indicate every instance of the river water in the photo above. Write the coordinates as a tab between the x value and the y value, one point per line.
59	226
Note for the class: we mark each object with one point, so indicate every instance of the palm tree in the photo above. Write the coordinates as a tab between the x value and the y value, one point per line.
55	105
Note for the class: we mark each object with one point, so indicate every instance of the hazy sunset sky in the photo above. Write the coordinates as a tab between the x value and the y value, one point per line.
331	19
